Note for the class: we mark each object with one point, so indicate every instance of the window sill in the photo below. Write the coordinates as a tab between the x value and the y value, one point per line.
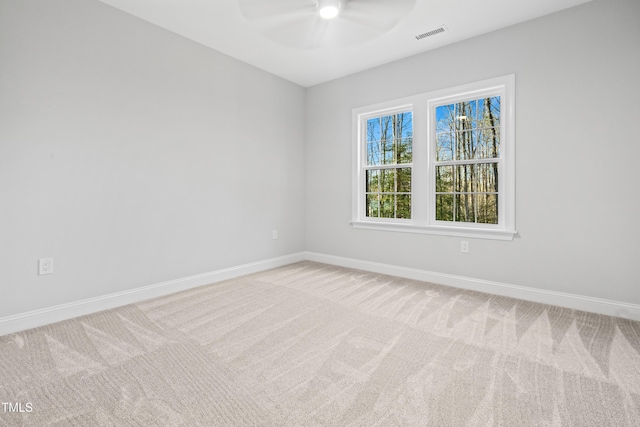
477	233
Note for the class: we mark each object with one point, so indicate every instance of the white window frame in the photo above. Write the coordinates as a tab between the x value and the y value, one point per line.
363	160
423	167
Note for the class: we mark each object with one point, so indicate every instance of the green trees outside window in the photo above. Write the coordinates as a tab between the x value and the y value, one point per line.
467	152
389	151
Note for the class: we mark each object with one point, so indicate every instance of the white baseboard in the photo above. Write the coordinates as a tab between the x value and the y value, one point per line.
577	302
32	319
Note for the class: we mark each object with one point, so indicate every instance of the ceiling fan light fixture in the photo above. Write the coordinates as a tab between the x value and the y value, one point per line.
328	9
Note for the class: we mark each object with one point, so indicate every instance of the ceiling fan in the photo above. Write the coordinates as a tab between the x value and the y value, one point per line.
309	24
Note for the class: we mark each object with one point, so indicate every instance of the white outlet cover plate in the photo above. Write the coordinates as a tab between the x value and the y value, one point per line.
45	266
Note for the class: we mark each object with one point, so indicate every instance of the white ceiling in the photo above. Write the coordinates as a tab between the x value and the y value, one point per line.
222	25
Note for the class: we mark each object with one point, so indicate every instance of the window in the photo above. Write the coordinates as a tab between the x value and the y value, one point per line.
389	141
438	163
467	145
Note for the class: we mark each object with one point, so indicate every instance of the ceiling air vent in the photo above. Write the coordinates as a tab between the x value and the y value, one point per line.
440	29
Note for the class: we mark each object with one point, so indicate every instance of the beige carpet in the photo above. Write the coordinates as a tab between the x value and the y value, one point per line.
317	345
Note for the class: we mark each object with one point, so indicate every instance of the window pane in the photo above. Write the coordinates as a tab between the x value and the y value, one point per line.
405	148
403	206
389	142
464	145
373	181
444	148
444	207
465	115
389	153
387	206
404	180
486	176
464	178
488	143
483	114
444	179
404	125
373	129
487	208
373	205
489	112
445	118
478	118
387	180
464	209
386	123
373	153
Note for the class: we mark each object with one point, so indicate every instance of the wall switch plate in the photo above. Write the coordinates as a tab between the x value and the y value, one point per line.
274	234
45	266
464	246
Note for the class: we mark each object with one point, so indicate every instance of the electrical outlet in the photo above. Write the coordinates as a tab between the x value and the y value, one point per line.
45	266
274	234
464	246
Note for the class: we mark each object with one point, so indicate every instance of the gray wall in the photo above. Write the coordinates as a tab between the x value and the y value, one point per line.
577	153
133	156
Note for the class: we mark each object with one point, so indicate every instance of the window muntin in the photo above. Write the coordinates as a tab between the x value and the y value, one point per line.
467	155
389	156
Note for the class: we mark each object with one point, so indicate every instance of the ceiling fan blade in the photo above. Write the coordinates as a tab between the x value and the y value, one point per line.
307	33
380	14
260	9
381	7
296	23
